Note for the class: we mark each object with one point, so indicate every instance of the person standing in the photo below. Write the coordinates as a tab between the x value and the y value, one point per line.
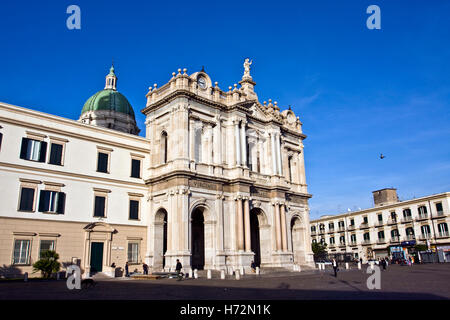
178	268
253	266
145	268
335	267
127	274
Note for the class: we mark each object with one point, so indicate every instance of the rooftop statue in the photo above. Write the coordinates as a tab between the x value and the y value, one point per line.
247	65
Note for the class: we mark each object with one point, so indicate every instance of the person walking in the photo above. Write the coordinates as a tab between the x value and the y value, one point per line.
127	274
335	267
178	268
253	266
145	268
383	263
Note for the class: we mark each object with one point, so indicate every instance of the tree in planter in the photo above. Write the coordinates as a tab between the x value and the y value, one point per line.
47	264
319	250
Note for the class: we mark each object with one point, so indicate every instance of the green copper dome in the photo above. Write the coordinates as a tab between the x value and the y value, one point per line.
108	99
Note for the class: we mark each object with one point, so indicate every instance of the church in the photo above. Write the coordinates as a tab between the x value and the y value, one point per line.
217	181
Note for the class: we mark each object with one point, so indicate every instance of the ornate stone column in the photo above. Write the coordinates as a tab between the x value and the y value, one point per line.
248	246
243	144
217	142
278	153
283	228
239	224
237	142
277	225
273	156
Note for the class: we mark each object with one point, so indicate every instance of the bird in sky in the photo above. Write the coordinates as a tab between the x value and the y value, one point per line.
382	156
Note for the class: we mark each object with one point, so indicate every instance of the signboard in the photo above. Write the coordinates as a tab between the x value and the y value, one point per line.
408	243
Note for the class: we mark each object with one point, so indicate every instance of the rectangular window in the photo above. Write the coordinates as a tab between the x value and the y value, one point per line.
133	252
1	138
366	236
439	207
134	210
332	240
33	150
26	199
21	252
365	220
102	163
381	235
352	222
46	245
52	201
135	168
380	217
56	151
99	209
353	237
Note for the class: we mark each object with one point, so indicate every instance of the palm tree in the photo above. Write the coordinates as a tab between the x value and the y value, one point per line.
48	263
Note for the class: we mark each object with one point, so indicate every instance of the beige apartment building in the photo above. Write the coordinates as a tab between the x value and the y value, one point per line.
389	228
217	181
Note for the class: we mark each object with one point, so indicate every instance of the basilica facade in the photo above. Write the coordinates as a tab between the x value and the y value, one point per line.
217	182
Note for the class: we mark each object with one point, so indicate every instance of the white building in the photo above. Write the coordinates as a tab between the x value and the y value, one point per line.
218	181
390	226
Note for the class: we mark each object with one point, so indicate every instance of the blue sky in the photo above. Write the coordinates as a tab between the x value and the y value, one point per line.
358	92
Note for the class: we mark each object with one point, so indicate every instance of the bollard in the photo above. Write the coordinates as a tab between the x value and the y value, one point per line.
299	269
208	274
195	274
359	265
346	266
241	270
191	273
257	270
222	274
57	276
238	276
25	277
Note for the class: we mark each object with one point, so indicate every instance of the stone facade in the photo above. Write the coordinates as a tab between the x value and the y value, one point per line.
222	183
371	233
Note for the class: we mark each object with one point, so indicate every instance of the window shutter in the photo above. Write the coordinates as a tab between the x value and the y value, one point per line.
99	207
26	199
23	149
43	151
55	154
61	202
44	200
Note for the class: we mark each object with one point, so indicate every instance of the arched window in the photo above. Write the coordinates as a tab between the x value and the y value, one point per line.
422	210
164	147
425	230
443	229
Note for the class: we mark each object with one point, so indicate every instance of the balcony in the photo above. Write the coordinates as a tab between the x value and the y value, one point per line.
332	245
395	239
364	226
392	221
342	244
322	231
425	236
351	227
379	224
366	242
407	219
443	234
353	243
410	237
381	241
341	229
439	214
313	232
331	230
421	217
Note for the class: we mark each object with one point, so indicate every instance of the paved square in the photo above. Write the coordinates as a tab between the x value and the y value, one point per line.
398	282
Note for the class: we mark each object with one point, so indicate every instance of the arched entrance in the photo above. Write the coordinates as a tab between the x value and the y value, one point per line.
255	236
296	240
160	238
198	239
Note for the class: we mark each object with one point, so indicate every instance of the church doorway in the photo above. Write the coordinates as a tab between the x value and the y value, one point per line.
160	238
198	239
255	236
296	239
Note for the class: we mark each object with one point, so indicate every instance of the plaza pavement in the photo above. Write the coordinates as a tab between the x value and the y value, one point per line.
428	281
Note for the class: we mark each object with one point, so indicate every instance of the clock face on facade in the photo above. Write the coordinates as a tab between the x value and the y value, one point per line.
201	82
291	118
